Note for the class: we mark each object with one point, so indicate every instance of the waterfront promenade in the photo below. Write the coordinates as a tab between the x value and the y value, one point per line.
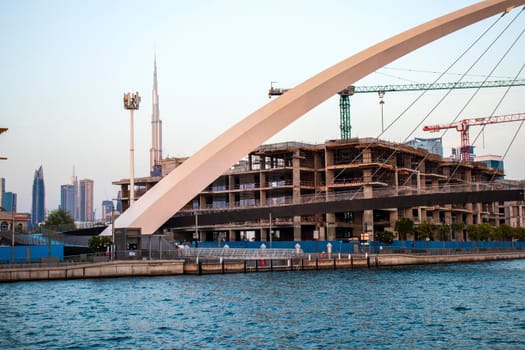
219	265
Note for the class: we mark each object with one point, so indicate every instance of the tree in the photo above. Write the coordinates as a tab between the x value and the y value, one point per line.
444	232
384	237
486	232
404	227
59	219
456	228
424	231
504	233
99	243
519	233
473	232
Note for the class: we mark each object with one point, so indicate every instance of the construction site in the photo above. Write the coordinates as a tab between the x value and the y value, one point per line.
343	189
278	175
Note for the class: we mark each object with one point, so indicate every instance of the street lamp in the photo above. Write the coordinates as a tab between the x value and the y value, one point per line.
131	102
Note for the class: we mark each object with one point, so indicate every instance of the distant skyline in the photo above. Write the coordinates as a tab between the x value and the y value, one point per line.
66	64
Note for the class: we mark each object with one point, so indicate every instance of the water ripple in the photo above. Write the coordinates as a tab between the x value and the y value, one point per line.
460	306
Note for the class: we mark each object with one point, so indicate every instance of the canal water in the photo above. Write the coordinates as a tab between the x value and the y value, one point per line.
462	306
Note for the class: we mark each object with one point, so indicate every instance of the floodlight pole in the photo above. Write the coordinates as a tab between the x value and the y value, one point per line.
131	102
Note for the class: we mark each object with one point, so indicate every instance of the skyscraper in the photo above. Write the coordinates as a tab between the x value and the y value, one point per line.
107	209
155	153
76	206
86	200
68	199
39	198
7	199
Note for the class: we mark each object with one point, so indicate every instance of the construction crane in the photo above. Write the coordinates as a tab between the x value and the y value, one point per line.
463	128
344	101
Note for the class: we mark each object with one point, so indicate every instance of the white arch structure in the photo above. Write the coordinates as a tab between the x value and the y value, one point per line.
176	189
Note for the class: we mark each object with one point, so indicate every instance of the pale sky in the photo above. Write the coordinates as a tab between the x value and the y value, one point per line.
64	66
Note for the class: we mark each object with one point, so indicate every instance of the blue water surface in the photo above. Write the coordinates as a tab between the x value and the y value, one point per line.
461	306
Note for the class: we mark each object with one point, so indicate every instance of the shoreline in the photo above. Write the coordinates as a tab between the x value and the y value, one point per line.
142	268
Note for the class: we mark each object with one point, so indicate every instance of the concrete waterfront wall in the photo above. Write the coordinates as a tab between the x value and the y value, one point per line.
408	259
94	270
179	267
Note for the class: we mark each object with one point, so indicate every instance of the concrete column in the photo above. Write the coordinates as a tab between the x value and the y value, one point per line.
367	156
202	201
368	221
296	174
264	234
231	235
422	214
393	218
477	213
330	226
468	176
448	214
297	235
322	233
231	195
435	216
262	183
469	217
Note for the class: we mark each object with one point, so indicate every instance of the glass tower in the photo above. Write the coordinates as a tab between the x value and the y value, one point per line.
38	211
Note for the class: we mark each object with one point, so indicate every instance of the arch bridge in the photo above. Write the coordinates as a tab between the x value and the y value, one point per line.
172	193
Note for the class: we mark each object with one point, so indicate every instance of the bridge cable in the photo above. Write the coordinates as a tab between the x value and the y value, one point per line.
515	134
423	93
471	98
501	99
448	93
477	90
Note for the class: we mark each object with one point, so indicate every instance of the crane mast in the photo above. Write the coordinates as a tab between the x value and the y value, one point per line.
463	128
344	101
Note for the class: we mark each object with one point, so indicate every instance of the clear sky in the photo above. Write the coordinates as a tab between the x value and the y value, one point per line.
64	66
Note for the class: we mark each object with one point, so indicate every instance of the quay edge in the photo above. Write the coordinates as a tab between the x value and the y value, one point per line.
128	268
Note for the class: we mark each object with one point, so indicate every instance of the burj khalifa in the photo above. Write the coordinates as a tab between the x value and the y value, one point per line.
155	151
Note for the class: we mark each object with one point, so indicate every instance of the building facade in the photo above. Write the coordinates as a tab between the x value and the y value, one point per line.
9	201
107	211
87	213
292	173
432	145
19	220
38	212
68	199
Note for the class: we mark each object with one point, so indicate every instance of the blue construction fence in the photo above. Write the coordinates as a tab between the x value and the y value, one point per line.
350	247
32	253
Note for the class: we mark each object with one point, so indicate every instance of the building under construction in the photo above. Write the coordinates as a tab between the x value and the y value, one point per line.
277	175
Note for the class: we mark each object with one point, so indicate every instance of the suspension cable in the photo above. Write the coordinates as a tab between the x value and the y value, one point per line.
423	93
450	91
473	95
493	69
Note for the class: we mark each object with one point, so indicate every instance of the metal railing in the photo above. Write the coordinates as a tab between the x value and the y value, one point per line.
237	253
359	194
